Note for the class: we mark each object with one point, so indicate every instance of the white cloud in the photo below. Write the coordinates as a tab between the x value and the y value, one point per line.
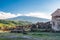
39	15
5	15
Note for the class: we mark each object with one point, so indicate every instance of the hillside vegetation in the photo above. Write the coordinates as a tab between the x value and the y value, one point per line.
13	23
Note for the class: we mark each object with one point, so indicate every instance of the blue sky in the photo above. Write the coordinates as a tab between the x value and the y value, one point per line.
35	8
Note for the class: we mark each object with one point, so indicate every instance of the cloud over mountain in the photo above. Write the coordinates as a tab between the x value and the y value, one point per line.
39	15
5	15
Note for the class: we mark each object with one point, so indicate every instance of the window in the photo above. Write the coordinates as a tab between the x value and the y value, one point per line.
53	23
58	25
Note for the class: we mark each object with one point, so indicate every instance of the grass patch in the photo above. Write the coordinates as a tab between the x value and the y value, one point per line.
12	39
39	35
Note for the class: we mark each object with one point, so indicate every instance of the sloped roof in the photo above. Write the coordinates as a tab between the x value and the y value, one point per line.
56	13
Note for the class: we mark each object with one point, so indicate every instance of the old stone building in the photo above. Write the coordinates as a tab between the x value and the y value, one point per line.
56	20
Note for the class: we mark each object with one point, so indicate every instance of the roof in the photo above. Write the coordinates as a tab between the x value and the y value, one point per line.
56	13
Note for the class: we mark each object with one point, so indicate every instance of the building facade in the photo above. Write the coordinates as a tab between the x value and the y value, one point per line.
56	20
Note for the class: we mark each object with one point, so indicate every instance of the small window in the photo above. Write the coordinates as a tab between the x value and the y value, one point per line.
58	24
53	23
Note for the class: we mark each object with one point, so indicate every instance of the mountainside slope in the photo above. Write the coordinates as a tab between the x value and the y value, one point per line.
30	19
